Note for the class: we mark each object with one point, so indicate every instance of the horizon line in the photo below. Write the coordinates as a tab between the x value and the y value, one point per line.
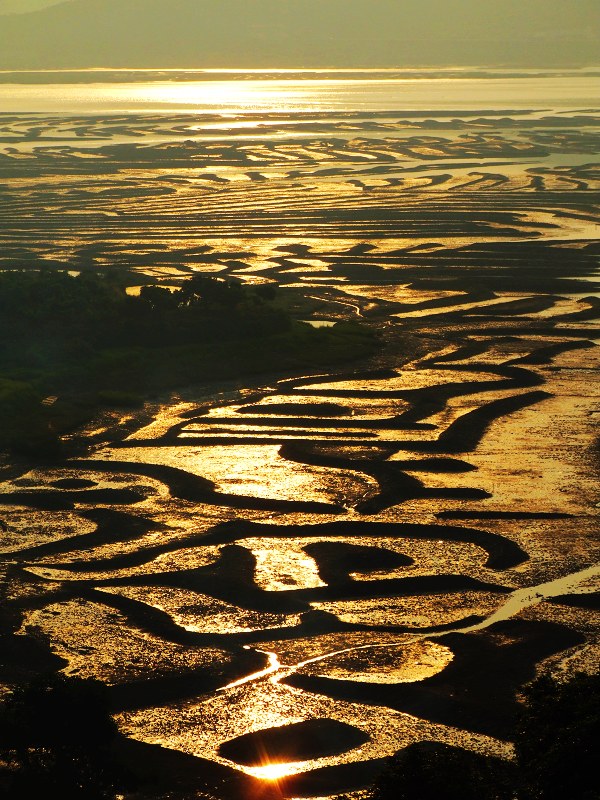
296	70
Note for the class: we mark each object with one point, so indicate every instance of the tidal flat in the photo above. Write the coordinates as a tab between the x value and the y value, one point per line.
322	565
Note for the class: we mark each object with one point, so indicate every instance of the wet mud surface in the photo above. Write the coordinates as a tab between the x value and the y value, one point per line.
285	582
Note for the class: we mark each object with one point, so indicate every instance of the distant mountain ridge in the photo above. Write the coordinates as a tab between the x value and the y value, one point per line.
300	33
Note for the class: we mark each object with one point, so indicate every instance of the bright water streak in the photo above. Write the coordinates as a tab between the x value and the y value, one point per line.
297	96
519	600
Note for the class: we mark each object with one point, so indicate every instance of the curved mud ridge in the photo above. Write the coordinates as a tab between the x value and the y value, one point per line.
185	486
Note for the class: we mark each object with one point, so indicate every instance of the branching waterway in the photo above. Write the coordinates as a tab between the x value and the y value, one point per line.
518	601
286	578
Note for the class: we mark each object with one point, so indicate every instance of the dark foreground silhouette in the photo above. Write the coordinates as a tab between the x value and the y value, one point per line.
58	740
556	754
56	736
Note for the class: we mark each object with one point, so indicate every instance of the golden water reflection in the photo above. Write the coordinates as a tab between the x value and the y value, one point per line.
251	470
419	612
98	642
296	96
274	772
200	613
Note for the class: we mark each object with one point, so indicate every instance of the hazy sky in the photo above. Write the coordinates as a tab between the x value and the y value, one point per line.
404	6
270	33
22	6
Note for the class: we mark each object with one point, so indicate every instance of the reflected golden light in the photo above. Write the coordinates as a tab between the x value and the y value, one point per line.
235	96
275	771
274	666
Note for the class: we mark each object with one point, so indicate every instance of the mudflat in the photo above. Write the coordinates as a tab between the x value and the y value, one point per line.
329	565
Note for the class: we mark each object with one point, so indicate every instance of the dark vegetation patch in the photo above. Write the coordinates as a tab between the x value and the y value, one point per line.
437	771
71	345
23	658
556	739
56	736
59	741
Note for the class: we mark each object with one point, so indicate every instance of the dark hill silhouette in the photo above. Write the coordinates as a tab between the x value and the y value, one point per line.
271	33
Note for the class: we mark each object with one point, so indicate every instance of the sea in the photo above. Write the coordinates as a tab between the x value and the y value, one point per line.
289	92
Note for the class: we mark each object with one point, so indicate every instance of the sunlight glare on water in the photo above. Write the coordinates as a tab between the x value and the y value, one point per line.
299	96
274	772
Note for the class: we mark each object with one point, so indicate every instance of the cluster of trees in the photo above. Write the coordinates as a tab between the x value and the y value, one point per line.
86	341
95	310
556	749
23	422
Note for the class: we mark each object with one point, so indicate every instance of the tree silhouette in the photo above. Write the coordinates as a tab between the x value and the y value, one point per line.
556	744
436	771
55	741
557	739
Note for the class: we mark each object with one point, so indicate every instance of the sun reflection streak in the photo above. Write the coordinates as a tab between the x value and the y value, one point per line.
274	772
235	96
